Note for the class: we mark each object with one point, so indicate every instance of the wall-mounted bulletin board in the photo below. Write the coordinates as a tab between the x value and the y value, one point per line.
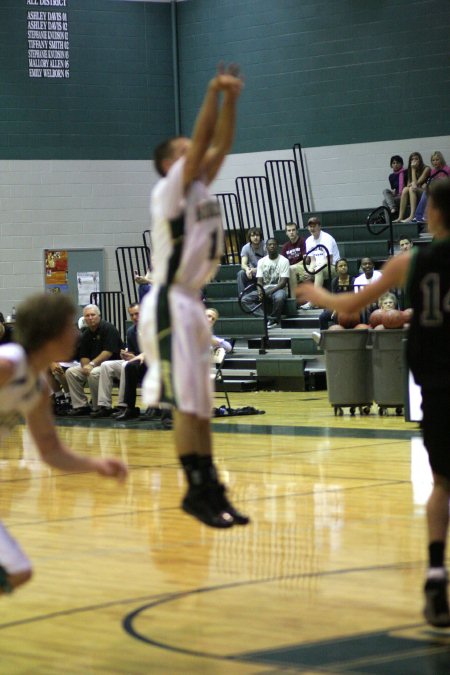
76	271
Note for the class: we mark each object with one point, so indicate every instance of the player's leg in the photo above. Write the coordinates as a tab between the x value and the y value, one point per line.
278	302
192	390
404	199
293	279
436	434
15	568
93	382
436	604
109	371
217	491
198	469
76	380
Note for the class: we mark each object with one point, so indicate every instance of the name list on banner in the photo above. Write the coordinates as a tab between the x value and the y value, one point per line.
48	39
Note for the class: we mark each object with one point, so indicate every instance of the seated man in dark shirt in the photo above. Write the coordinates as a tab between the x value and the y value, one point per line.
100	342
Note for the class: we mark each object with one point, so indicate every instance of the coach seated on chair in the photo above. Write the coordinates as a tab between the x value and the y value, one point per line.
100	342
115	370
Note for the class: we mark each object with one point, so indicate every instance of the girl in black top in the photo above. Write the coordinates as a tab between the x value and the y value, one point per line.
341	283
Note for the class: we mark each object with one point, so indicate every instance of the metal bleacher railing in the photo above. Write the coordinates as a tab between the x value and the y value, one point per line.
261	305
268	201
381	216
284	184
233	226
327	264
131	260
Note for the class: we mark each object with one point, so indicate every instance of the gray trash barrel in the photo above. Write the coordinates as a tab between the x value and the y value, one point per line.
388	367
349	368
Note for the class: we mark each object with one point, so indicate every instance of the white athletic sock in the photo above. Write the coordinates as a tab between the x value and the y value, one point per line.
436	573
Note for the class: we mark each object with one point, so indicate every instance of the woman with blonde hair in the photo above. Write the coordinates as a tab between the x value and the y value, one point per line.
439	171
417	176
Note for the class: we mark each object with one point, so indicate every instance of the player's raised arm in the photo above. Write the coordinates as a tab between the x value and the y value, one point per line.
213	132
394	276
231	85
55	453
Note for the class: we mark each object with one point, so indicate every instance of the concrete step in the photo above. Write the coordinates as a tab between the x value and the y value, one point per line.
243	384
309	321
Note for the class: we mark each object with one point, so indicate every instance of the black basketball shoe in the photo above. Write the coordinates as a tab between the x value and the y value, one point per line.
219	497
197	503
436	609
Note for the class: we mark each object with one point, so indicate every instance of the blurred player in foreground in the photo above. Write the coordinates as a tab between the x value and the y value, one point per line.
425	274
45	331
187	246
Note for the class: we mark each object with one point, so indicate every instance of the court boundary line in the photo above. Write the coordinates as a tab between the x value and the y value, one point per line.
127	623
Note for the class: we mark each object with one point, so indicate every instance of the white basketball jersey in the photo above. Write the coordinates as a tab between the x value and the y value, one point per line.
187	235
23	391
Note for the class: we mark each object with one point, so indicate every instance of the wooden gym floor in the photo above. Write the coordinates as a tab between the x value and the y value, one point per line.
327	578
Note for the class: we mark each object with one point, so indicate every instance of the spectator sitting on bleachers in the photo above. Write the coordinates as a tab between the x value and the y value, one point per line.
369	275
272	275
251	253
439	171
417	176
404	243
387	301
319	258
144	283
216	342
341	283
294	250
397	181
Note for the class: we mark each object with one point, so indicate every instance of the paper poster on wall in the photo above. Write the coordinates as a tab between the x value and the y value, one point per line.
87	283
56	271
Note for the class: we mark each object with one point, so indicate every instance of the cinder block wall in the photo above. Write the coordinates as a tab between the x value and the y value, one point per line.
353	81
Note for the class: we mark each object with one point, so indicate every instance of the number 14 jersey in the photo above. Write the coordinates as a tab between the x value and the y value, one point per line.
187	235
429	337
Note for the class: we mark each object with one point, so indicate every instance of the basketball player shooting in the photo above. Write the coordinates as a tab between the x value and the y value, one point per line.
187	246
425	273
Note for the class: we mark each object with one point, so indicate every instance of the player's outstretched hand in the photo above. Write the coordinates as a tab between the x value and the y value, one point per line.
307	292
229	79
111	467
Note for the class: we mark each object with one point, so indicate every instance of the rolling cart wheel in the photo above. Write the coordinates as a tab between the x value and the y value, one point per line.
366	410
381	411
340	412
335	410
352	411
399	411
